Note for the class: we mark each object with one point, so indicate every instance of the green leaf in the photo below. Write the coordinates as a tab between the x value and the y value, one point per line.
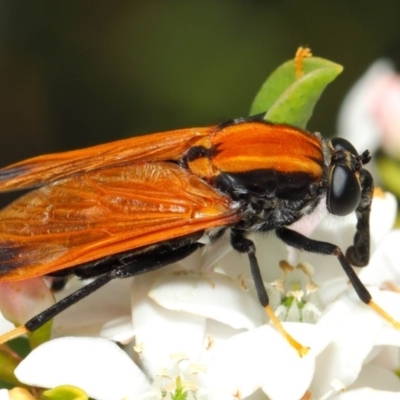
41	335
8	363
288	100
20	345
64	393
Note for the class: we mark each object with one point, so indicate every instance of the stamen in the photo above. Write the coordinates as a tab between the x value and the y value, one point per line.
307	396
301	350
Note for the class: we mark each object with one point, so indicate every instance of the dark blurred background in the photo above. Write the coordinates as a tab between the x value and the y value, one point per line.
78	73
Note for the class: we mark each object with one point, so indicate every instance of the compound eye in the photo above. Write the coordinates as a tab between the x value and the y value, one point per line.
344	192
343	144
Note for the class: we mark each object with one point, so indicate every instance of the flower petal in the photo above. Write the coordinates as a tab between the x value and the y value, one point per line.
118	330
390	302
161	333
382	218
384	264
378	378
217	333
211	295
109	305
22	300
263	358
97	366
353	327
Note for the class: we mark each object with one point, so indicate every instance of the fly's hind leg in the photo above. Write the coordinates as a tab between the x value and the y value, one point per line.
244	245
301	242
128	265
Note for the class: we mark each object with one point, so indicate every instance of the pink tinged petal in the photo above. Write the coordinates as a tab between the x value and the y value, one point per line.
308	223
97	366
306	226
353	327
356	121
368	394
22	300
161	333
107	306
262	358
210	295
386	111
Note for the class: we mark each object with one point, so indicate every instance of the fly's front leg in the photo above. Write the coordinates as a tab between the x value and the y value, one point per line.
244	245
358	253
301	242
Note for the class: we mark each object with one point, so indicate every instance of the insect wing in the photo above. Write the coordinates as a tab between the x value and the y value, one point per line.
93	215
51	167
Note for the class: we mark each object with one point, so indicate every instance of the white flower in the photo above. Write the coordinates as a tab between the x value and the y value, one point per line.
163	332
96	365
211	323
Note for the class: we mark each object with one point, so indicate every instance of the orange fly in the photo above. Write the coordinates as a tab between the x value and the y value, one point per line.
131	206
124	208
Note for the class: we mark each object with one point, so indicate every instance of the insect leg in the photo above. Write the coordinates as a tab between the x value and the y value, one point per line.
143	262
244	245
301	242
158	257
140	264
58	283
40	319
358	253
